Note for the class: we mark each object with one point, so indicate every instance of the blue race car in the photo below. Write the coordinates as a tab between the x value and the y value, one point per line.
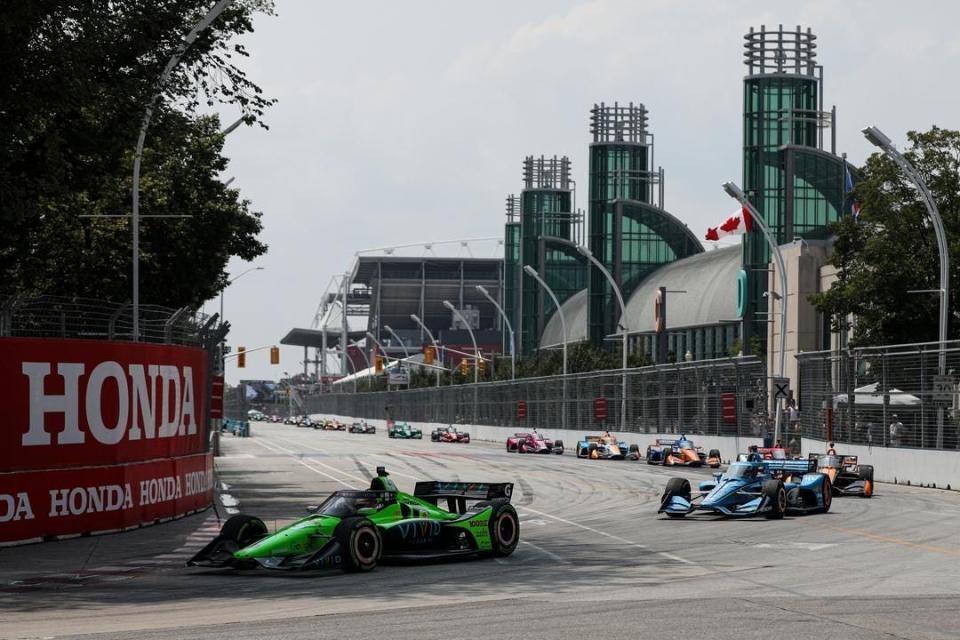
753	486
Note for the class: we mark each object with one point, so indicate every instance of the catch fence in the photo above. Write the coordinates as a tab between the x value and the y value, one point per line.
91	319
712	397
890	396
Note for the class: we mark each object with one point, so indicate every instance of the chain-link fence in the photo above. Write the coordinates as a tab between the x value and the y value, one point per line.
893	396
714	397
64	317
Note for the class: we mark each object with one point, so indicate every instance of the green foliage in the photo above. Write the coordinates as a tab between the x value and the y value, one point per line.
76	79
893	249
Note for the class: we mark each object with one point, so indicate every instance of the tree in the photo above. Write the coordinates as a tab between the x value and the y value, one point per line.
892	249
76	78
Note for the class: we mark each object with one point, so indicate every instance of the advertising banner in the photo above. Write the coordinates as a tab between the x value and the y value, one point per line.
91	402
38	504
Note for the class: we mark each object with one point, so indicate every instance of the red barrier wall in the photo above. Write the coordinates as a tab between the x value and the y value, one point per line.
98	435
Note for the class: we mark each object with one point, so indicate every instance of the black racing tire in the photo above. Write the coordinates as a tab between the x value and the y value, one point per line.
504	529
827	494
775	492
243	530
434	437
675	487
508	448
714	453
361	543
591	447
558	447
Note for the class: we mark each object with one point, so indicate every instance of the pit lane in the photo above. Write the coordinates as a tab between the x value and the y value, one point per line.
595	559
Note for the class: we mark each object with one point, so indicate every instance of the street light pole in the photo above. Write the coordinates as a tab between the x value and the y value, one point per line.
506	321
585	252
138	154
737	194
229	282
393	334
530	271
473	339
878	139
436	350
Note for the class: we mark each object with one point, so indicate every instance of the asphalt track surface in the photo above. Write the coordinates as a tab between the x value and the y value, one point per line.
595	560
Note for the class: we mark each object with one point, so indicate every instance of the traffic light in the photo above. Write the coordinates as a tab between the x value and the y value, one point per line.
379	364
428	354
481	365
465	366
241	357
274	355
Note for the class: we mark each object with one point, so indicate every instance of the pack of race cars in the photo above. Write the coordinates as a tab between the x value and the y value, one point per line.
354	530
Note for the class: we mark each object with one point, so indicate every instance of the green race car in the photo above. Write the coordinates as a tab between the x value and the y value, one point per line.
352	530
404	430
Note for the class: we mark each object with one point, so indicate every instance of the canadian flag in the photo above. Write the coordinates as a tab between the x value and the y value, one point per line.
739	222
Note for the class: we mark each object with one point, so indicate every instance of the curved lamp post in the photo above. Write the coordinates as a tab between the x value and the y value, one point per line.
436	350
473	338
506	321
229	282
530	271
393	334
737	194
138	154
586	253
878	139
343	353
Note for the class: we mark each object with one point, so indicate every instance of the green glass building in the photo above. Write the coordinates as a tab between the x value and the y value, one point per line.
630	232
547	224
795	184
511	267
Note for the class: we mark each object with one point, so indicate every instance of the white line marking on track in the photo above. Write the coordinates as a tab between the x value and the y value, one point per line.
664	554
296	459
549	554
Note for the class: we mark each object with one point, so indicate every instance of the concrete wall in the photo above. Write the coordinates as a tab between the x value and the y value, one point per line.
940	469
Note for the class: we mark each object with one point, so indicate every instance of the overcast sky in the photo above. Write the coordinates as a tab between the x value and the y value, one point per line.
403	122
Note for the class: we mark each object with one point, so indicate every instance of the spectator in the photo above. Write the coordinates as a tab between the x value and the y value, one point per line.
896	431
793	415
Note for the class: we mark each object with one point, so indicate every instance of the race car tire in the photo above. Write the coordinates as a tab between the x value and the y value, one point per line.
714	453
558	447
774	491
243	529
504	529
592	447
508	448
466	439
676	487
866	474
522	448
361	543
634	452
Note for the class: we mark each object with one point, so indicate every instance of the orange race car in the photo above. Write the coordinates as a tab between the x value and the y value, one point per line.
847	476
681	452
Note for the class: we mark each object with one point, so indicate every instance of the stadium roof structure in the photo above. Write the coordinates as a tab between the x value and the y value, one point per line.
709	283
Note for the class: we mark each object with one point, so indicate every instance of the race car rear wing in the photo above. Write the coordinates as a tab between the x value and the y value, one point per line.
791	466
458	493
